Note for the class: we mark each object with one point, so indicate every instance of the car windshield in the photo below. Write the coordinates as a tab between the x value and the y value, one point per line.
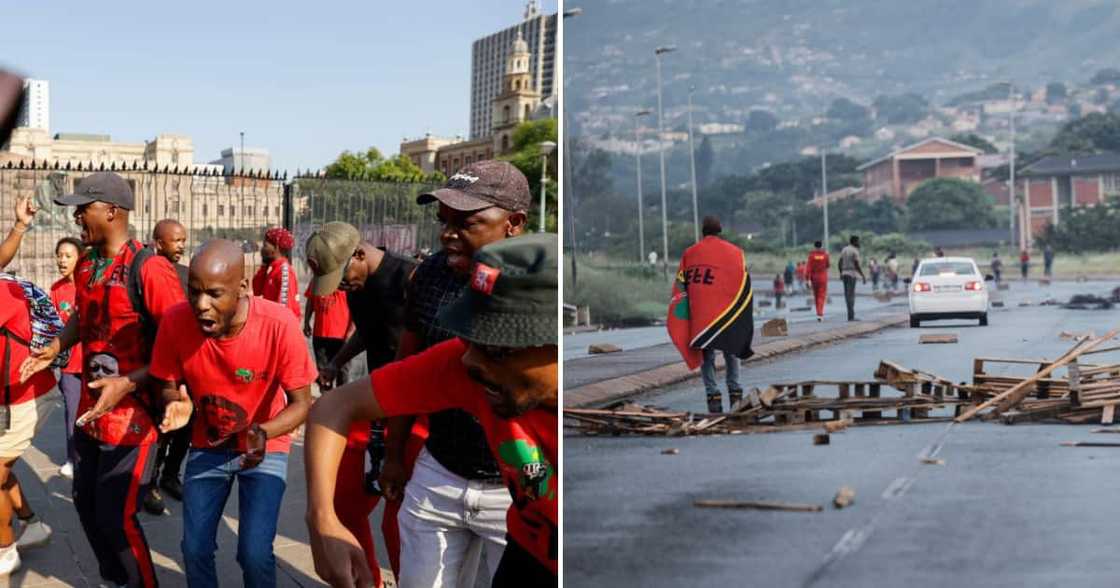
952	268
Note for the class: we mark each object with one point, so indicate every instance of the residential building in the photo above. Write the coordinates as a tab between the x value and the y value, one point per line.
36	111
1060	182
488	65
896	174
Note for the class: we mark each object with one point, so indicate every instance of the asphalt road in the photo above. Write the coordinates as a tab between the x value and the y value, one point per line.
1010	506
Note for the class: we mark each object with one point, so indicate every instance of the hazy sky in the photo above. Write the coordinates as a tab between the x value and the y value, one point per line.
302	79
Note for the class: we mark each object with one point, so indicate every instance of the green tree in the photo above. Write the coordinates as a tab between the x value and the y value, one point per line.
705	158
761	121
901	109
525	154
372	166
1089	134
1107	75
846	110
1055	92
950	203
974	140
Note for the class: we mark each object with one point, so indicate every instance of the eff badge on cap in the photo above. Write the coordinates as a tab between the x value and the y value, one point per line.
484	278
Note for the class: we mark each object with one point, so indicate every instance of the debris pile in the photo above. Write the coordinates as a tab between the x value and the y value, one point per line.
1083	393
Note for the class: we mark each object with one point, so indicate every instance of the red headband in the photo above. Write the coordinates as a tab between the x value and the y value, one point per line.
281	238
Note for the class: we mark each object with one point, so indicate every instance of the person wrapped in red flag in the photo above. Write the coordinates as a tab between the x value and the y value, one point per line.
712	309
817	268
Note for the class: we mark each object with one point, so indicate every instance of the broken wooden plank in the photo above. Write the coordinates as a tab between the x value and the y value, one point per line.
1016	393
937	339
775	328
1089	444
845	496
758	505
1107	414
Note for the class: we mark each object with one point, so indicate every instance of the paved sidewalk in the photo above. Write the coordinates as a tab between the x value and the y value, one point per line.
602	379
68	560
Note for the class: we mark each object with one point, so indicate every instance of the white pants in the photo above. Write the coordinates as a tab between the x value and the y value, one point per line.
446	522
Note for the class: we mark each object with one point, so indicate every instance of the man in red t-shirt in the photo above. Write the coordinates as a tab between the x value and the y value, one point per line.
115	436
27	411
502	370
817	268
276	278
247	369
332	327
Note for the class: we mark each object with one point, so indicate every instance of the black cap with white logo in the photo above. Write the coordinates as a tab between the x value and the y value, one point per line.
482	185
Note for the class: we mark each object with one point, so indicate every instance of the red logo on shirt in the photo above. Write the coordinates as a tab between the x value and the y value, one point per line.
484	278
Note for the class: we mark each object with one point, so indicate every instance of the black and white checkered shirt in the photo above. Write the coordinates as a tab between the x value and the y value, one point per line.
455	438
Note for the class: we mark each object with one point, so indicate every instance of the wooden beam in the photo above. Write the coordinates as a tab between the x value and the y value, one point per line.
1018	392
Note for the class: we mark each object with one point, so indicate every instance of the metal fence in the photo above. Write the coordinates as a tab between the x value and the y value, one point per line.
386	214
211	203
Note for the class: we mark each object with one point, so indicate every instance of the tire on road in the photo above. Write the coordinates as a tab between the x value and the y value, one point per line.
984	319
914	322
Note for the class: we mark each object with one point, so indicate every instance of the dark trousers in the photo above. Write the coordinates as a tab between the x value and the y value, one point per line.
325	349
71	387
518	568
850	295
109	483
173	448
1024	267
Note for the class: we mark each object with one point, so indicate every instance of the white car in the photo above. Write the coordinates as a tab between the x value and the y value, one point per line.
948	288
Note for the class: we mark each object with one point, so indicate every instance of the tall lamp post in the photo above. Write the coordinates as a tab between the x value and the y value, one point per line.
547	147
657	53
824	195
1013	205
641	208
692	165
567	155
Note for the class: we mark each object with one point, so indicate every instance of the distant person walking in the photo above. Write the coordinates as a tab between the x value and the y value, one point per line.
997	266
817	268
875	270
849	270
801	276
892	271
1024	263
790	270
779	290
1047	261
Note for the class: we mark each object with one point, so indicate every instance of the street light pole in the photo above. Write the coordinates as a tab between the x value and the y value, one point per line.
641	207
546	149
692	165
824	194
567	156
661	154
1013	205
242	170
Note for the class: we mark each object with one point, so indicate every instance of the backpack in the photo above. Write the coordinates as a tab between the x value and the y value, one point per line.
45	326
136	291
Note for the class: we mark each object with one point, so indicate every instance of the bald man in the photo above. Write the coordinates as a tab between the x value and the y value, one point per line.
248	373
169	239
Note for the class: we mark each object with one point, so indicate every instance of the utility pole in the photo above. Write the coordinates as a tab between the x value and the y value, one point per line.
661	153
824	194
692	164
641	207
567	156
242	165
1013	205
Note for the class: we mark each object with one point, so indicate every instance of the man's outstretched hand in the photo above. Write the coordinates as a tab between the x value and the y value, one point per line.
339	560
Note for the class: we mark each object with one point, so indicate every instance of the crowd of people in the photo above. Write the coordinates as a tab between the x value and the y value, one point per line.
180	381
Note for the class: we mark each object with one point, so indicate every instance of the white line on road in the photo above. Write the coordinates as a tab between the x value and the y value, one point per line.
897	488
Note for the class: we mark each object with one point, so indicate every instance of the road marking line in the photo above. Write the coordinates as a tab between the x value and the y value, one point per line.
898	488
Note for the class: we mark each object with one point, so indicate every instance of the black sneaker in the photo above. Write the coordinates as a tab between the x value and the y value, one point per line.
715	403
173	487
734	398
153	502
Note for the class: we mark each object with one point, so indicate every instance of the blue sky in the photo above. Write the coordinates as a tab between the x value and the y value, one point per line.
302	79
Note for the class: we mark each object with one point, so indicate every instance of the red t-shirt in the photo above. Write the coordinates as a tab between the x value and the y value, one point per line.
15	315
62	295
817	266
332	315
277	282
525	446
112	337
238	381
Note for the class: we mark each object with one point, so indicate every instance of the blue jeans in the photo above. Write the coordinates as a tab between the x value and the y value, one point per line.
708	372
206	487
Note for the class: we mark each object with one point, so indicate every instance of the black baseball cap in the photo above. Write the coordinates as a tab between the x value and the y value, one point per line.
482	185
511	299
107	187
